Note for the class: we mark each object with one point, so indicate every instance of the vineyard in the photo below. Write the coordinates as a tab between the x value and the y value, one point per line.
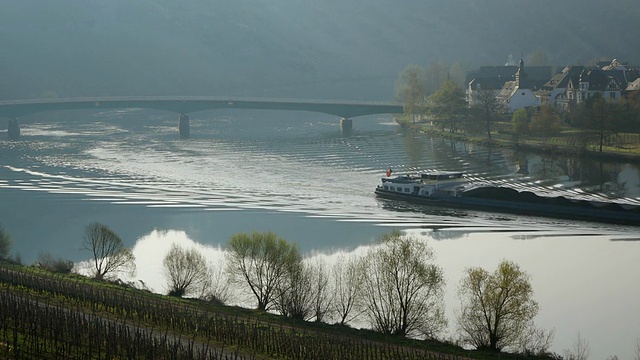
51	316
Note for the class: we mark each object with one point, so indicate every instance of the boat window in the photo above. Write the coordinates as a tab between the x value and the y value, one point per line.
385	187
406	190
392	188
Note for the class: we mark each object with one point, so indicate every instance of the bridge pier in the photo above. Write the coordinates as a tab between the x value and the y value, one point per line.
346	124
184	126
13	129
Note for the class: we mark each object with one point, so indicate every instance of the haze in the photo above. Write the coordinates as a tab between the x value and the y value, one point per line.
347	49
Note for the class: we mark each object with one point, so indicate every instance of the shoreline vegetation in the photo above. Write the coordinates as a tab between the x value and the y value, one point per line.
625	148
52	312
48	315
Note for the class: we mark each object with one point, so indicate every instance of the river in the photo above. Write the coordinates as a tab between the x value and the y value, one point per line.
298	175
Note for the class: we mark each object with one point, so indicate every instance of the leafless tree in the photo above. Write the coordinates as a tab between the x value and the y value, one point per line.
346	287
295	294
535	341
580	350
321	303
186	270
402	290
109	253
217	286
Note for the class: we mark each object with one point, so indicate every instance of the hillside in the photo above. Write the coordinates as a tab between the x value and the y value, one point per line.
349	49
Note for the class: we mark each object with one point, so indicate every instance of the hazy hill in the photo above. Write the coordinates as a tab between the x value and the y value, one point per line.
351	49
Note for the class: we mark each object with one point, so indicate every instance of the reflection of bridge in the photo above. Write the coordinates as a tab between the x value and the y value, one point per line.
187	104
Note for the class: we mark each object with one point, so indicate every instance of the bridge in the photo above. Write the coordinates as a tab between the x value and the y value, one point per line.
185	105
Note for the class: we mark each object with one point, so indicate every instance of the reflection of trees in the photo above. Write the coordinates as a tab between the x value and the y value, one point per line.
592	175
415	146
437	234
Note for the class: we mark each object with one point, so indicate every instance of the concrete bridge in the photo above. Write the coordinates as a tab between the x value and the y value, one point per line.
185	105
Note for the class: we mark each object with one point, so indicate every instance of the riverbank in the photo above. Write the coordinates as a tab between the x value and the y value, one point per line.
626	148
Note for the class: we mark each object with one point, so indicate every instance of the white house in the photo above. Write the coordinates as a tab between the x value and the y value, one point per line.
518	94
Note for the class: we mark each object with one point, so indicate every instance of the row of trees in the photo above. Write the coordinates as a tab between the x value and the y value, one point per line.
396	286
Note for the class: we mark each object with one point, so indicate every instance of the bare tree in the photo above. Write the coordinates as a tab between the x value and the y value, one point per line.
186	270
321	303
346	287
497	309
535	341
295	297
402	290
6	241
580	350
109	253
217	285
262	260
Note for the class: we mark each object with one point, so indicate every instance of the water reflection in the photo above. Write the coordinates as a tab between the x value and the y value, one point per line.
577	290
298	175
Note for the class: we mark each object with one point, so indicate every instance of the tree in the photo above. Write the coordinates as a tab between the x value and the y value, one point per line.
217	286
295	294
519	123
346	288
262	260
186	270
6	241
410	90
602	118
535	342
545	122
59	265
458	74
497	308
109	253
402	290
486	107
580	350
435	75
448	104
321	303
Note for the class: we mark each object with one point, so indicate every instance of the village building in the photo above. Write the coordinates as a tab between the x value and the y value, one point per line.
493	78
519	93
575	84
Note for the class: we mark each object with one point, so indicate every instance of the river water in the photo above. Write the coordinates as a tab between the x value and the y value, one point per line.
298	175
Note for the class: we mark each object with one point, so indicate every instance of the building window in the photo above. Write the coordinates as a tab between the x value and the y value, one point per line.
612	95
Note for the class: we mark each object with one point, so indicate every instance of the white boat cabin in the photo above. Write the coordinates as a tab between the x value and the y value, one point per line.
425	184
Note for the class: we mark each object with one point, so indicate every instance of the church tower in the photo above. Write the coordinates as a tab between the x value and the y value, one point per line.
521	76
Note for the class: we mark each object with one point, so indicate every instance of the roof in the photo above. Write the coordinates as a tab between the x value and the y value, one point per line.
634	85
509	88
562	79
494	77
599	79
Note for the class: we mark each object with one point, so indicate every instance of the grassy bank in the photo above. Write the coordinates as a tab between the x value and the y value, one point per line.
619	147
52	316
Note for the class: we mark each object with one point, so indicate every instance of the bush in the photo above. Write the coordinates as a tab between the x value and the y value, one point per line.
59	265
